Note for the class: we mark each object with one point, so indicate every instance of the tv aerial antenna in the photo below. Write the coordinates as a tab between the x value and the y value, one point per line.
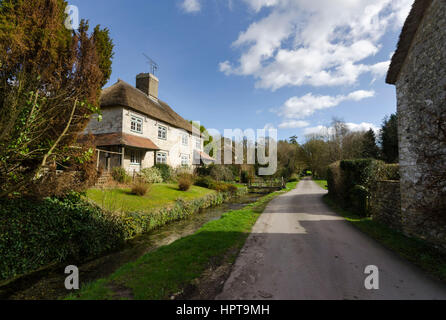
154	67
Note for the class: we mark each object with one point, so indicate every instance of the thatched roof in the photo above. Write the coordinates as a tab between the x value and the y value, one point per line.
407	35
124	139
125	95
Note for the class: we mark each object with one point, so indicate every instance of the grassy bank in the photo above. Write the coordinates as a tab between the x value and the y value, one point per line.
415	250
322	183
159	195
170	269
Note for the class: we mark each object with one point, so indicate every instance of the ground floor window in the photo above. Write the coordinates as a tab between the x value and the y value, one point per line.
161	157
184	160
135	157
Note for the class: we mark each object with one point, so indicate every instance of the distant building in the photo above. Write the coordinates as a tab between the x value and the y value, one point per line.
138	130
418	70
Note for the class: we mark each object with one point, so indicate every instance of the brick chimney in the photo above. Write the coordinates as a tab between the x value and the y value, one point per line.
148	83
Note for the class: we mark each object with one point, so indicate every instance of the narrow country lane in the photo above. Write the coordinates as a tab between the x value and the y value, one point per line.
300	249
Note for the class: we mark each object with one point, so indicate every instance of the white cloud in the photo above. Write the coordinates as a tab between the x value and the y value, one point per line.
317	43
293	124
305	106
323	130
191	6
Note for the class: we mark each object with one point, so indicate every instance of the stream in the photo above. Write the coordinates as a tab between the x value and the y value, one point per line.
48	284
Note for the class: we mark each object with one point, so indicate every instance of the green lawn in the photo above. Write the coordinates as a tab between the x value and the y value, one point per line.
170	269
159	195
322	183
415	250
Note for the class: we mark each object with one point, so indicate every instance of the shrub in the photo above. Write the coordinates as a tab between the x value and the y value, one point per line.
165	170
203	171
232	189
221	173
140	187
294	178
120	175
185	181
205	182
180	171
246	176
222	187
151	175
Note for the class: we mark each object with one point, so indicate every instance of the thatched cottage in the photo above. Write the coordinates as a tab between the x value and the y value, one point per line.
418	70
139	130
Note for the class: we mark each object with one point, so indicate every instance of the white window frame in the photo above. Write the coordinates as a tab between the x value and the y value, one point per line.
161	156
185	140
185	160
135	157
161	130
136	124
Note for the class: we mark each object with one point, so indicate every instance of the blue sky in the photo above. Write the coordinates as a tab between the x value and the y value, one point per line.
288	64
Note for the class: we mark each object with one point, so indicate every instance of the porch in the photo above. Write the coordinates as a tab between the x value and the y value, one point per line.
130	152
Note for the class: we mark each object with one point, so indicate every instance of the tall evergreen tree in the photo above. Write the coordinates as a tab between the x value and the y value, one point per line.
369	146
389	139
50	82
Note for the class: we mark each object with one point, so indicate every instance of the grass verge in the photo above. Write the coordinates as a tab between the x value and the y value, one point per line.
159	195
170	269
416	251
322	183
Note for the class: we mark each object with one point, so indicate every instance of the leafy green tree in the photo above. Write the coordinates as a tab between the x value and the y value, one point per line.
389	139
50	81
369	146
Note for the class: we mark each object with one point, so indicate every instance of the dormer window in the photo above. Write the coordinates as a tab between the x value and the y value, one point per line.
136	124
162	132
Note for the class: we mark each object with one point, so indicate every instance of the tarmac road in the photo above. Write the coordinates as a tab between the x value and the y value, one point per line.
300	249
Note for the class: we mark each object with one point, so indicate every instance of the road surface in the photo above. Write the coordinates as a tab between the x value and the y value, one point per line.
300	249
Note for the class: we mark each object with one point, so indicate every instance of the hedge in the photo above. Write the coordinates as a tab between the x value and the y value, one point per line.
34	234
37	233
351	182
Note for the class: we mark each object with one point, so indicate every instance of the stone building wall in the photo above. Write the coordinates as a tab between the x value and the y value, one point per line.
421	93
385	204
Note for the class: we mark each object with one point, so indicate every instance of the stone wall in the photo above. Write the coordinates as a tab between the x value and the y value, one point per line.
385	204
421	91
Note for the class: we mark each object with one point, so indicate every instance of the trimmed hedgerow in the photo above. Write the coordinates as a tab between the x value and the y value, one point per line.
34	234
351	182
37	233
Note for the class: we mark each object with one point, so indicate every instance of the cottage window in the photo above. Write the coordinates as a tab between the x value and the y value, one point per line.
135	157
136	124
185	140
185	160
198	143
162	132
161	157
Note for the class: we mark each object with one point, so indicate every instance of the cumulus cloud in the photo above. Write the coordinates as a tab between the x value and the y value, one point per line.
355	127
191	6
293	124
317	43
305	106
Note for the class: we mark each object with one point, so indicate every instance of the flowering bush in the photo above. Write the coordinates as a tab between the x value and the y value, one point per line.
151	175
